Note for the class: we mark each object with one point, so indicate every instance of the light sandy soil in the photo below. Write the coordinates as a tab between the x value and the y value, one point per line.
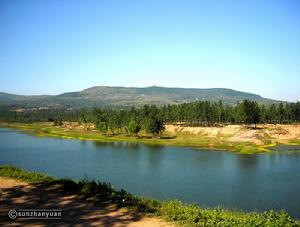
238	133
71	125
76	211
278	133
264	133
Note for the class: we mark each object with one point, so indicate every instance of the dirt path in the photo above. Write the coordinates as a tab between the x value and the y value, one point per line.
76	211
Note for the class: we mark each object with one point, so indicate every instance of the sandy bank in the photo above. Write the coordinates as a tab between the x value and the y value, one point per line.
239	133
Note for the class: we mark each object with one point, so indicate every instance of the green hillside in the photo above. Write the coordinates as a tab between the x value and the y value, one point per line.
127	96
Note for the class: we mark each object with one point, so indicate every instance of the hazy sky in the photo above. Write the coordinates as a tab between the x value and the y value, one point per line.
50	47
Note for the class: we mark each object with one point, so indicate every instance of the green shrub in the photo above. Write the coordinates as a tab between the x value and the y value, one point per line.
31	177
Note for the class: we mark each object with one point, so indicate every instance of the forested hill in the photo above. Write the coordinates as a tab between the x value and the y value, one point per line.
103	96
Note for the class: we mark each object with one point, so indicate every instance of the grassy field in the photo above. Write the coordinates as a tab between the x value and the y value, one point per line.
172	210
179	139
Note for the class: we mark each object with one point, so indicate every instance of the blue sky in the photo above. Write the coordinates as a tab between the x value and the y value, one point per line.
50	47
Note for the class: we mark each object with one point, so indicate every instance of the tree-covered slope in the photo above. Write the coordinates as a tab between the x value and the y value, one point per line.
103	96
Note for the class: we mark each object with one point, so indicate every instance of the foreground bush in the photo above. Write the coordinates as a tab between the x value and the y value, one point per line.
173	210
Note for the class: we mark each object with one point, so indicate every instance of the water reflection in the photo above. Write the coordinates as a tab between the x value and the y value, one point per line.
6	130
127	145
286	149
247	162
99	144
83	143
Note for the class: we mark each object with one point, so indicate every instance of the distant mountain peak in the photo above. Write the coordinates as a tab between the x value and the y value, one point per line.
108	96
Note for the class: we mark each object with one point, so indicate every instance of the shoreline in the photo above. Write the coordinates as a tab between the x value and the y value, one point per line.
75	206
172	211
169	138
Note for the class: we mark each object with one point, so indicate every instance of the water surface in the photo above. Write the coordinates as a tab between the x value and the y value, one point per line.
208	178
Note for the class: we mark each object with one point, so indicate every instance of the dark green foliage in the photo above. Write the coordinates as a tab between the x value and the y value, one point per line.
82	117
32	177
44	115
154	125
58	122
152	118
173	210
133	127
281	113
250	112
102	126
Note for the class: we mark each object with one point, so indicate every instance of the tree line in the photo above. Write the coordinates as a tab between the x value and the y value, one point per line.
152	118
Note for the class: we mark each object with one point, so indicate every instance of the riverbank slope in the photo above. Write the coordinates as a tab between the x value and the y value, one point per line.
94	203
17	195
238	138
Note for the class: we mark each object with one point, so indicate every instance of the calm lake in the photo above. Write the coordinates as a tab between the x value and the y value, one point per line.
208	178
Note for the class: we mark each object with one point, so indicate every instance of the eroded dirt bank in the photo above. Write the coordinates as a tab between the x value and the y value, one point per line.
237	133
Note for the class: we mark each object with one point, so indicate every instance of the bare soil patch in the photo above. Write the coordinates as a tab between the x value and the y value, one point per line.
76	210
279	133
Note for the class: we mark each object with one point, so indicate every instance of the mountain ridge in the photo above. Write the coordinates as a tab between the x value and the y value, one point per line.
105	96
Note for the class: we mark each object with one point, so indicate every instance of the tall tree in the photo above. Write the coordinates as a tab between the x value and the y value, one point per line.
133	127
250	112
154	126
